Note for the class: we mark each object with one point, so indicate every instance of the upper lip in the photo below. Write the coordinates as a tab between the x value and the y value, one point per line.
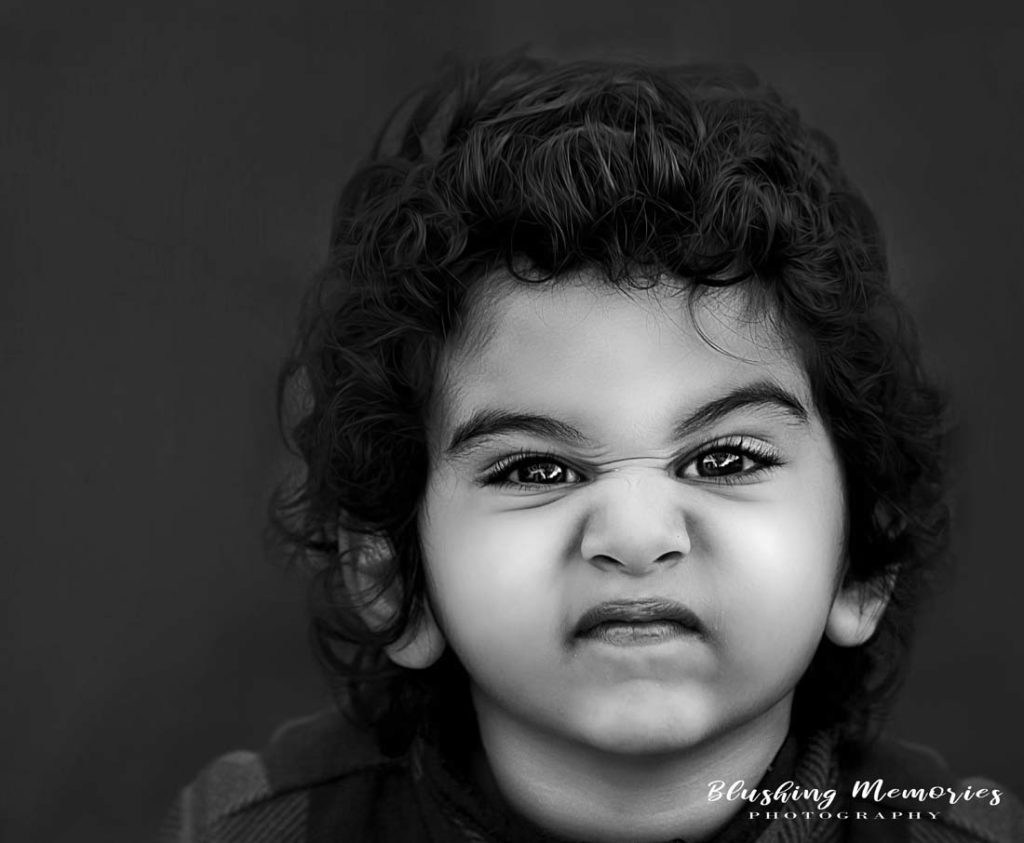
649	610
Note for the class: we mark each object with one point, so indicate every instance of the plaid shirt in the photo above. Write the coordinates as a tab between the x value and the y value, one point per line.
320	779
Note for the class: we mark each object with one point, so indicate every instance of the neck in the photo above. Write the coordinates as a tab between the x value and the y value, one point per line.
581	792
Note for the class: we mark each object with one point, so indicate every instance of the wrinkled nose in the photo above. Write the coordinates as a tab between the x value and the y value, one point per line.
635	525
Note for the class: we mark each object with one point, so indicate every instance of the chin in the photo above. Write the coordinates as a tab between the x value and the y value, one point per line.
648	730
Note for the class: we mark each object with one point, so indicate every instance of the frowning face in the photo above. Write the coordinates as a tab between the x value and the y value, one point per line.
633	533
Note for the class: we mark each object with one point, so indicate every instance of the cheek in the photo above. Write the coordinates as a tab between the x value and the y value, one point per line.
493	575
778	569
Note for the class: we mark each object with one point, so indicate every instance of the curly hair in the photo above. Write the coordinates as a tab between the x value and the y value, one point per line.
628	171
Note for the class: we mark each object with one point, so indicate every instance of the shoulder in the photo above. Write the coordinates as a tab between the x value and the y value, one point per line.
264	797
897	777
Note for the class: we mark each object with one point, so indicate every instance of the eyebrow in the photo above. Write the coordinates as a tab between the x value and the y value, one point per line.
487	423
760	394
492	422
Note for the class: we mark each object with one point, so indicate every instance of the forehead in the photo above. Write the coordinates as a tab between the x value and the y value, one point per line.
581	347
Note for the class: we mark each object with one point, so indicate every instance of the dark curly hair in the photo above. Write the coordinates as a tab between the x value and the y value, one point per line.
628	171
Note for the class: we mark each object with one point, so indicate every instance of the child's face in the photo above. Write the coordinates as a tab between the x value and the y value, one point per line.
632	538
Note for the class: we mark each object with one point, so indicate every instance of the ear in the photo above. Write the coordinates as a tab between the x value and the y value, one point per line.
366	565
857	609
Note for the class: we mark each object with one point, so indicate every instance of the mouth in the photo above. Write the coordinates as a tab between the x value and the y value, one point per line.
627	623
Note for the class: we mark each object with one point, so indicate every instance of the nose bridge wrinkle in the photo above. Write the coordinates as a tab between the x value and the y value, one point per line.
644	490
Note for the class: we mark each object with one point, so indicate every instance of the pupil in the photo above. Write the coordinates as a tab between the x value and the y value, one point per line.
545	472
721	462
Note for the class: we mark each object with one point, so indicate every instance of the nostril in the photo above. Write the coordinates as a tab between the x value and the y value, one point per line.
670	556
604	561
635	563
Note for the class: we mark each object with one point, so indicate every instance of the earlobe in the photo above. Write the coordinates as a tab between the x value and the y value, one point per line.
366	570
421	644
856	611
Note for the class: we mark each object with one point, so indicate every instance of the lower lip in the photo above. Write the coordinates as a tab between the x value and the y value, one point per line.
637	634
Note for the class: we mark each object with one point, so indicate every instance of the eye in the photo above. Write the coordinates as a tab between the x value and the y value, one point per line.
731	461
531	470
719	463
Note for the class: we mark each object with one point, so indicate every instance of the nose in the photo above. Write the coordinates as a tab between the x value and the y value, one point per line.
635	525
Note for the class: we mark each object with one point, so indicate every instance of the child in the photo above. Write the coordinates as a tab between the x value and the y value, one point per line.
622	479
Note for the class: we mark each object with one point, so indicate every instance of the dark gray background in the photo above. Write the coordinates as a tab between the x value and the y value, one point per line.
167	174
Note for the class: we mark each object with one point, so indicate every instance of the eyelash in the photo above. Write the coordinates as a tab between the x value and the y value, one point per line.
764	456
